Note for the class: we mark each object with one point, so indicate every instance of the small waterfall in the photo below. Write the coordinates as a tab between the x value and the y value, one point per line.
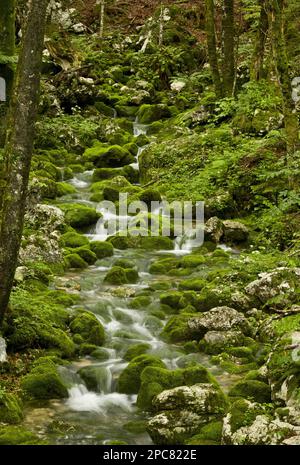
3	355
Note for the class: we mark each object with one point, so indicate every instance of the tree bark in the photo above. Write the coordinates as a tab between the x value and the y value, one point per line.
7	50
102	11
212	46
14	174
276	10
228	32
259	51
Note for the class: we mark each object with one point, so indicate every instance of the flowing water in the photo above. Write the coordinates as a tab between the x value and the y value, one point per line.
100	417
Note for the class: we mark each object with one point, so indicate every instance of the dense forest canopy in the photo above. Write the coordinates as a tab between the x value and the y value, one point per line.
174	321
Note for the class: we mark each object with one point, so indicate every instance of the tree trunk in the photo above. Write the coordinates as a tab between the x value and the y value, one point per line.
161	26
259	52
7	50
276	19
212	46
15	168
102	11
228	33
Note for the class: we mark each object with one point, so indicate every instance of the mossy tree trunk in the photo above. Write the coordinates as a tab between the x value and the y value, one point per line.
212	46
276	9
228	36
14	174
102	12
257	70
7	50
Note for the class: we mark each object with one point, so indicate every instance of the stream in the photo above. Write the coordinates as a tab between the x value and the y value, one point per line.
100	417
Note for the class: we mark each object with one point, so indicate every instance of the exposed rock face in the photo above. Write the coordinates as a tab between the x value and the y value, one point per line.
219	319
214	229
235	232
215	342
43	245
183	410
280	282
263	431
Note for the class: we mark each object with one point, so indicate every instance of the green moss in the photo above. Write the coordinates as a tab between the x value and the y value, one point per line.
64	188
18	436
124	263
136	350
75	261
86	254
10	408
95	378
212	433
102	249
252	390
171	298
149	113
140	302
194	284
73	239
89	327
176	330
136	427
44	382
129	380
149	195
37	321
142	242
117	275
108	157
79	216
155	380
243	413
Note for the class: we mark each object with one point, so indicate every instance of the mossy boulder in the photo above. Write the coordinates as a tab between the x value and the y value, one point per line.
118	275
149	113
154	380
10	408
80	216
254	390
183	410
215	342
136	350
210	434
130	379
96	378
149	195
140	302
177	330
64	188
18	436
44	381
89	327
74	260
73	239
141	242
102	249
86	254
108	157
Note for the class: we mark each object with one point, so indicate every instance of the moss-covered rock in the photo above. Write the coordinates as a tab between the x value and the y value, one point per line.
154	380
96	378
210	434
140	302
102	249
73	239
44	381
74	260
86	254
177	330
64	188
79	216
130	379
255	390
136	350
89	327
18	436
10	408
149	113
108	157
117	275
142	242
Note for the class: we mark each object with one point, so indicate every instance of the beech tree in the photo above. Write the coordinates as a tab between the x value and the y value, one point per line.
260	43
228	45
7	50
15	167
276	10
212	46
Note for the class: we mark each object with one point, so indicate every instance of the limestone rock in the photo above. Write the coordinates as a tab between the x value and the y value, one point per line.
235	232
